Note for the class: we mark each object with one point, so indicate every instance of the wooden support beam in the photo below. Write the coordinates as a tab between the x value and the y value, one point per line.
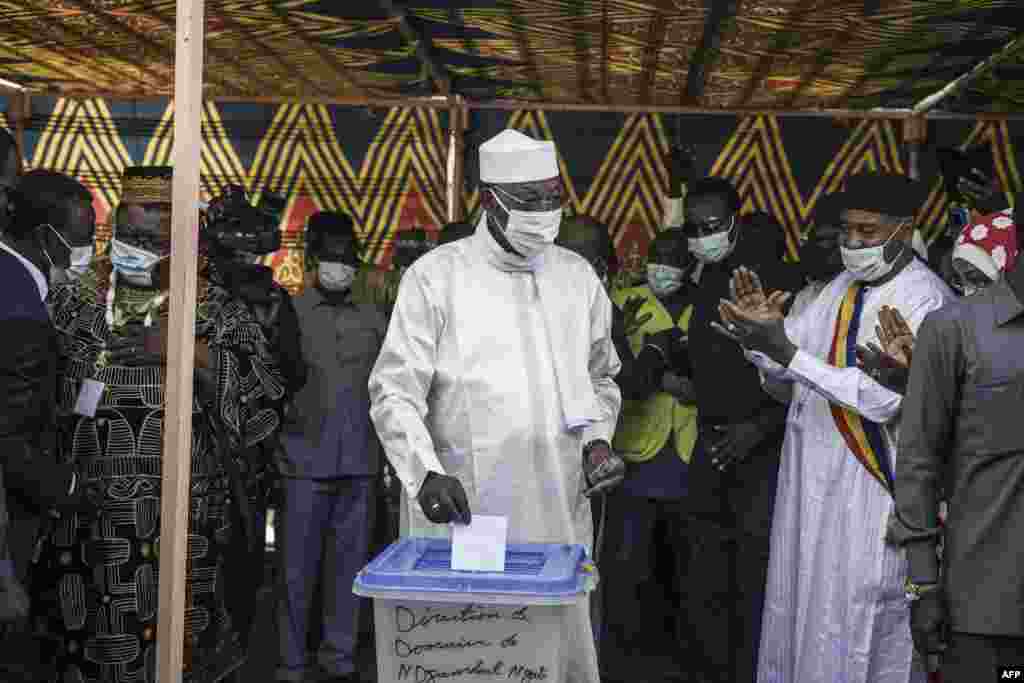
437	72
656	32
456	150
706	52
176	467
979	70
22	112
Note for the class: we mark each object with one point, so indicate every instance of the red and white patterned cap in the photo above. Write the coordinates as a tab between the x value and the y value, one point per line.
989	244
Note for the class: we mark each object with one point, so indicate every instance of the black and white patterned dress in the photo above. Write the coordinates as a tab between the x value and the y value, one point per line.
95	586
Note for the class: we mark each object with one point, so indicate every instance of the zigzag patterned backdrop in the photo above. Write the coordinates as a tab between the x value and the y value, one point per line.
386	167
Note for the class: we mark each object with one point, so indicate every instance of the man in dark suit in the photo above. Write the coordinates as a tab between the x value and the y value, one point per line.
961	442
333	457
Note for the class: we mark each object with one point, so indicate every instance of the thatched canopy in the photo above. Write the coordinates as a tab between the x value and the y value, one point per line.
768	54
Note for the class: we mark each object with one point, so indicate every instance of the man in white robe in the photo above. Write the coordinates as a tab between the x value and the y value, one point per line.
835	609
494	391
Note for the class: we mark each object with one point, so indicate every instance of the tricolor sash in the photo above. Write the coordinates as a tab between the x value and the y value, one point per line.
863	437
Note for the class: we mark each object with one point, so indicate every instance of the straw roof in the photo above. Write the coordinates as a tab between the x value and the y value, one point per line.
732	54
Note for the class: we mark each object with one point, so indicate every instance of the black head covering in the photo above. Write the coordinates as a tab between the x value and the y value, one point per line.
892	195
327	223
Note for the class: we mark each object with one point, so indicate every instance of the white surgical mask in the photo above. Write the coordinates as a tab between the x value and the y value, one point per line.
713	248
335	276
531	232
664	280
868	264
133	264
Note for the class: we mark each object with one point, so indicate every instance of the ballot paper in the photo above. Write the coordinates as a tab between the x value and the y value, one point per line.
480	545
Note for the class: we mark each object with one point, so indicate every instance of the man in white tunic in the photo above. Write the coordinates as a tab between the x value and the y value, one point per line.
494	391
835	608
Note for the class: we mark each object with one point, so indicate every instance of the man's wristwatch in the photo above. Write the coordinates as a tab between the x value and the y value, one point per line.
914	591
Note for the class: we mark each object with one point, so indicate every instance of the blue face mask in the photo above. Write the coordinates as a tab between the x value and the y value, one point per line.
132	263
664	280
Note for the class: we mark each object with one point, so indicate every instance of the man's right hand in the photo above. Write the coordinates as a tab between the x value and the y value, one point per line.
929	620
443	499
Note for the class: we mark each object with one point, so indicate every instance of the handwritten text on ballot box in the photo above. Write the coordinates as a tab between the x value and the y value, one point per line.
434	624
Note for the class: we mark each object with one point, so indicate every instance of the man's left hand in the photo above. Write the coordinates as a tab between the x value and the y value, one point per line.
602	468
735	443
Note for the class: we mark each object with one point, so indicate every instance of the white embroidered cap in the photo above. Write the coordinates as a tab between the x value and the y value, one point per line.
511	157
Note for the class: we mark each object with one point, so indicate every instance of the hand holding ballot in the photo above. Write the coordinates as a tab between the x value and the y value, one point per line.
443	500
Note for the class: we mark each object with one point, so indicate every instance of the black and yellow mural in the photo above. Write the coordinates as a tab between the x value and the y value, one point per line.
387	167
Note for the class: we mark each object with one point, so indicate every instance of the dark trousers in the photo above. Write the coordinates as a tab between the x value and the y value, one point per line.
626	562
323	537
974	658
731	515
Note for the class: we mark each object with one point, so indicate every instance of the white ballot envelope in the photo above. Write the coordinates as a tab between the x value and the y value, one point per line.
89	397
480	546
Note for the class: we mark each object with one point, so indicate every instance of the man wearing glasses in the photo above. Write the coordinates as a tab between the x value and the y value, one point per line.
494	391
734	463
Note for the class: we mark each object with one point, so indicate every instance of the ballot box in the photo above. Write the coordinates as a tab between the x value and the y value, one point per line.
434	624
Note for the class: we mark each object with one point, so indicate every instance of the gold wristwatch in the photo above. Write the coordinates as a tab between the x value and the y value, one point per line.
914	591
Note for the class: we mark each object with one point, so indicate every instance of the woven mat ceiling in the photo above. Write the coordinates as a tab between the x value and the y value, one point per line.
779	54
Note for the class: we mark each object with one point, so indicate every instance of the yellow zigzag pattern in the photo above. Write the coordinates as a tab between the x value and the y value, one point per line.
630	185
81	140
934	215
219	163
535	124
300	154
755	160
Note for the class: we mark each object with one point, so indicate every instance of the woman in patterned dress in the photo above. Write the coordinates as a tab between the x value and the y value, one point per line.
95	590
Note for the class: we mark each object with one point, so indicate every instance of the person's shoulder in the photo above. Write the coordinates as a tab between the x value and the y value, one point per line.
918	281
441	260
21	294
560	257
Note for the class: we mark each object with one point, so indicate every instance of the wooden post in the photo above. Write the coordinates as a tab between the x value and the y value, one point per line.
22	112
456	148
174	509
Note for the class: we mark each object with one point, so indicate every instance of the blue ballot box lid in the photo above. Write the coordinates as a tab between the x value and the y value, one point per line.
535	574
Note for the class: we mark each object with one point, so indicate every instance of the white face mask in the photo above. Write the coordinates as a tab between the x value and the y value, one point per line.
530	232
664	280
713	248
868	264
132	263
334	276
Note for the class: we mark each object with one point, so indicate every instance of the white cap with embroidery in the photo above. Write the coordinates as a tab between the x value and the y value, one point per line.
511	157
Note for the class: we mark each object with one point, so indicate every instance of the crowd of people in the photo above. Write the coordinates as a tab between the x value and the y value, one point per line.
825	448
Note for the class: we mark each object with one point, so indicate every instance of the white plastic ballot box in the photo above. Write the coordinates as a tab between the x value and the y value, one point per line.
434	624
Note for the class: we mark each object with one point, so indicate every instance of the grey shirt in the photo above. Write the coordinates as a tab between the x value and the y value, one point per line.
329	434
962	439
